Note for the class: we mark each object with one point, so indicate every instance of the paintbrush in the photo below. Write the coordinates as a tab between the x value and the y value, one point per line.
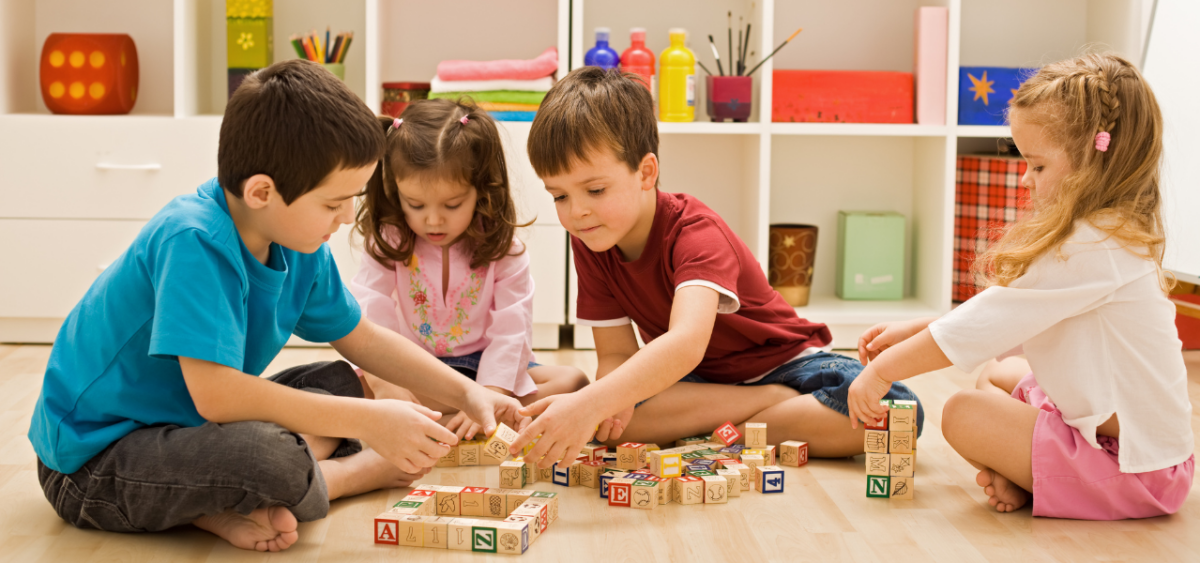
768	57
716	54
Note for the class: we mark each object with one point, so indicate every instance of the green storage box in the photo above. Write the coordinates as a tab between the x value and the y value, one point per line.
871	255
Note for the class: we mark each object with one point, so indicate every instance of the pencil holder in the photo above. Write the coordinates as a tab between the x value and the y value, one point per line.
728	97
338	70
793	250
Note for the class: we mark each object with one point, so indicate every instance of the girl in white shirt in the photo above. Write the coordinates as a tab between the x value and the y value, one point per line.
1104	431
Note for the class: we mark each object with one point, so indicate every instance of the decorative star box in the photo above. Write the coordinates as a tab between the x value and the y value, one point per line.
984	93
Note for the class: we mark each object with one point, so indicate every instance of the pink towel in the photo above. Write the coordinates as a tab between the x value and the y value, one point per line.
508	69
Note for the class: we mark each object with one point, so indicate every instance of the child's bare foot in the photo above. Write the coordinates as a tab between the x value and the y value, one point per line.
265	529
1003	494
363	472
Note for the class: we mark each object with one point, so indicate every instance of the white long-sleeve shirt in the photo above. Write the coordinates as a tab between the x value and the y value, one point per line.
1100	336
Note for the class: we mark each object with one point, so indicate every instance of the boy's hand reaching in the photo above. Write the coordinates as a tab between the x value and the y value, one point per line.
486	407
613	427
563	428
407	434
865	393
463	427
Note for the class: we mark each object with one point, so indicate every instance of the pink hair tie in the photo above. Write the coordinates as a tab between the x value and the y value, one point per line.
1102	140
464	120
395	124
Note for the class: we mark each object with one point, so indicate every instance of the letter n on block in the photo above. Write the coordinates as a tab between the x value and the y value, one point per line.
878	486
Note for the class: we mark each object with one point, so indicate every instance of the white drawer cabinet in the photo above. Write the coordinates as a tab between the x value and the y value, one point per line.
101	167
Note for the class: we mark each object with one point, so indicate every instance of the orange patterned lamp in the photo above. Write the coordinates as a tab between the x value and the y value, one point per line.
89	73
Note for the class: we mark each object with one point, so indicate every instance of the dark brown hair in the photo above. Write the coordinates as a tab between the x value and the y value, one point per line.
591	110
295	122
433	142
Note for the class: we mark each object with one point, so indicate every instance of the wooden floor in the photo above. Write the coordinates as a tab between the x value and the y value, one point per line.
822	515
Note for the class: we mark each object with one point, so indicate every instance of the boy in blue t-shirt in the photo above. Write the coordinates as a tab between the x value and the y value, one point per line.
147	418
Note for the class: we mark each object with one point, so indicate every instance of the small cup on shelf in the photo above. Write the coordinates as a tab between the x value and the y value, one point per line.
338	70
397	96
729	97
793	250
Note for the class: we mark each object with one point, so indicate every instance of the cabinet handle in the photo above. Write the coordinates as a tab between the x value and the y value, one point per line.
110	166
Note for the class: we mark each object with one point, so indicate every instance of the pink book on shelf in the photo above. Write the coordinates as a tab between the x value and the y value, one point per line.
929	67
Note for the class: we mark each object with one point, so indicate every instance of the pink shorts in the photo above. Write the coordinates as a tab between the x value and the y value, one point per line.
1071	479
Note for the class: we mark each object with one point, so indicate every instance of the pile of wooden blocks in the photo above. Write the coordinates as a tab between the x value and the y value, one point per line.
492	451
891	447
433	516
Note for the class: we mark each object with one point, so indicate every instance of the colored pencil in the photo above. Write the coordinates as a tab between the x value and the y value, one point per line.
325	55
346	48
298	47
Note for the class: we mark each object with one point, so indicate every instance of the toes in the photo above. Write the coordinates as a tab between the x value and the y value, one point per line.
990	491
984	478
287	539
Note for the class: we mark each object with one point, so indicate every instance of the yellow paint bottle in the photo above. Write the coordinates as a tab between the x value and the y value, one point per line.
677	80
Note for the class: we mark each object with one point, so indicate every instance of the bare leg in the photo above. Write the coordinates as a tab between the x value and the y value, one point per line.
994	434
264	529
554	380
322	447
1003	377
689	409
804	418
363	472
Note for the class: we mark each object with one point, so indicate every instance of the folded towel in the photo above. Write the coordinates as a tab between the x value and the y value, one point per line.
538	85
506	69
495	96
494	107
513	115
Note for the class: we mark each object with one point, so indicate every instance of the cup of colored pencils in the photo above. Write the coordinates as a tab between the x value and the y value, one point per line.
329	51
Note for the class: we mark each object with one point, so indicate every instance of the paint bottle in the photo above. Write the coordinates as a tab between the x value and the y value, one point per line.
639	60
677	80
602	55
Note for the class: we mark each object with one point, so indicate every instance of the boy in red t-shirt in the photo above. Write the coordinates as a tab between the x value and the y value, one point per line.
721	343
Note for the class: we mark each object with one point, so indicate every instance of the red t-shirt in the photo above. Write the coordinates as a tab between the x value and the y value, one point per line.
689	244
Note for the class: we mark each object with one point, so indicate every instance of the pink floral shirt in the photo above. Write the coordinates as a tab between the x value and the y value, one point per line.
488	309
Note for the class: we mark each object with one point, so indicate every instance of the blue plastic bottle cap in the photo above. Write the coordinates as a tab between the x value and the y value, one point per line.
602	33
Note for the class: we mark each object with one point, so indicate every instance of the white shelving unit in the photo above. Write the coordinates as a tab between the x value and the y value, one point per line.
66	212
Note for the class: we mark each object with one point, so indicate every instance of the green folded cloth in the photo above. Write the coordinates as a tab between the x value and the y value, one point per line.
496	96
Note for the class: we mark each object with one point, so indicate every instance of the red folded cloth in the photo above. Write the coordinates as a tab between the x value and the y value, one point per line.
508	69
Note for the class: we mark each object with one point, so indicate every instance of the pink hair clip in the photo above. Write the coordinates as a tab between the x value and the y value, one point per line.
464	120
395	124
1102	141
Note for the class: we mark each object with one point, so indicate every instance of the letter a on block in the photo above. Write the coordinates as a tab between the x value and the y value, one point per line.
386	531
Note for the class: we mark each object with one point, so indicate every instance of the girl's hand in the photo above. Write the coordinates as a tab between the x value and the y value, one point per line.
385	390
883	336
406	434
613	427
487	407
463	427
865	393
562	426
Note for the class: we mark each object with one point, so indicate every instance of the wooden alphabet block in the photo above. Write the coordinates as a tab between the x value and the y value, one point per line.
875	441
387	528
412	530
551	500
744	473
902	488
793	453
589	474
619	491
665	465
664	488
468	453
512	474
733	480
566	474
535	530
694	440
733	451
535	508
878	486
449	501
595	452
753	461
512	538
902	465
901	442
631	455
881	424
768	479
604	481
756	435
435	532
771	455
458	534
902	416
546	475
483	538
689	490
879	464
514	498
716	489
644	495
450	459
495	449
727	433
495	503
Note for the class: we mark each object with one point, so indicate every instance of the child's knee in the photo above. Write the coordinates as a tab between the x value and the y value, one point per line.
577	379
960	411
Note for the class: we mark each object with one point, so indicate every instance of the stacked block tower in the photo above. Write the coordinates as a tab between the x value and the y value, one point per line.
249	38
891	448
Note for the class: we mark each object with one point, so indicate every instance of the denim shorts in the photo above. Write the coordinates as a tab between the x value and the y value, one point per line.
469	365
827	377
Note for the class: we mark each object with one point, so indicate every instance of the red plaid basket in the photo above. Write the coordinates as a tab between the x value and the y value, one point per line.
987	198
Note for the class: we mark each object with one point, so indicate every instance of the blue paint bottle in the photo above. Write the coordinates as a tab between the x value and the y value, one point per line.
602	55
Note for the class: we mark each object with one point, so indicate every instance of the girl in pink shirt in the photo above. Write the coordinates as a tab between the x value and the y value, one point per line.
441	264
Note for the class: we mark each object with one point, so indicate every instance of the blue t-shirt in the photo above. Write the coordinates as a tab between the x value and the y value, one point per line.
187	286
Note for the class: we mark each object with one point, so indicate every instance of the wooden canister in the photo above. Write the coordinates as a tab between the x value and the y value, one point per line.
793	249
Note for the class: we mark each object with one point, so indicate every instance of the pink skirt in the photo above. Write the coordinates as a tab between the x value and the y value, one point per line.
1071	479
